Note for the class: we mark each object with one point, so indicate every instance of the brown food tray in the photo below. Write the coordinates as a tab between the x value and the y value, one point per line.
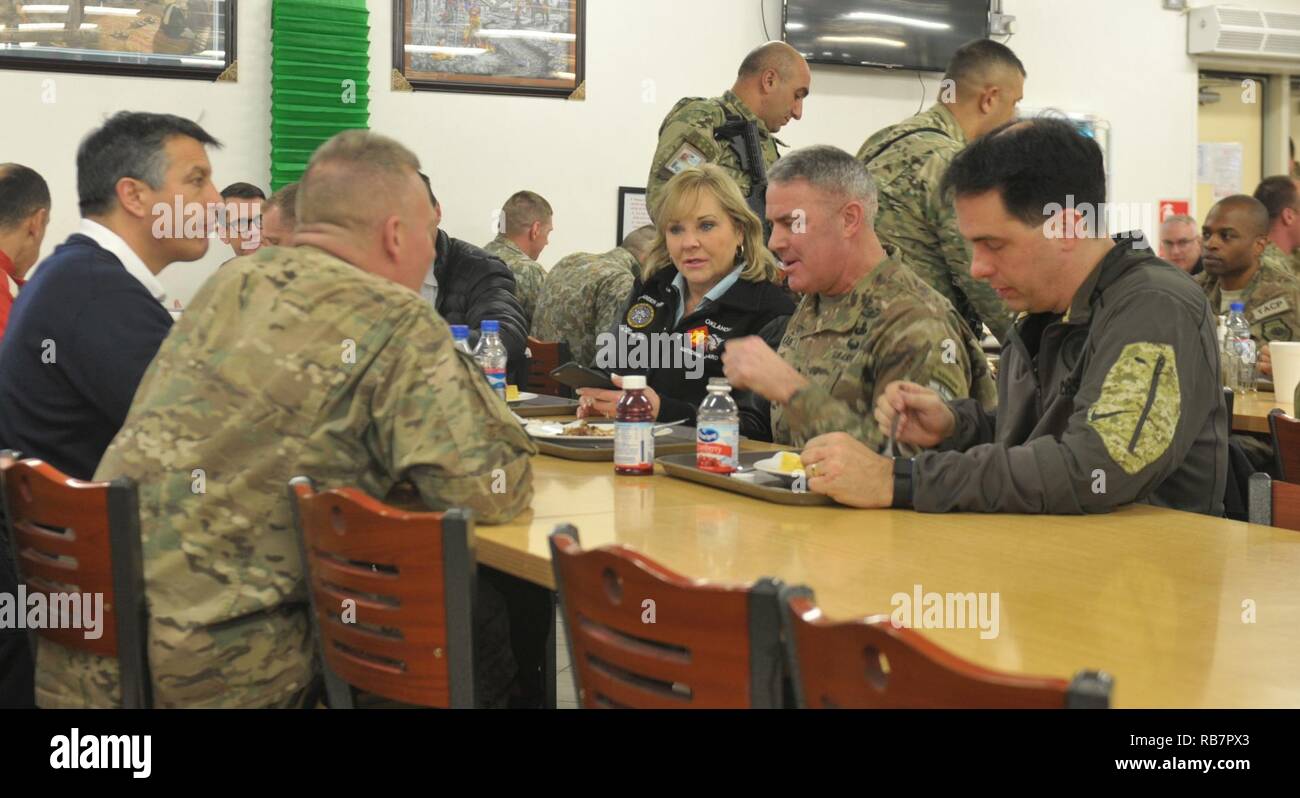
770	488
680	441
545	406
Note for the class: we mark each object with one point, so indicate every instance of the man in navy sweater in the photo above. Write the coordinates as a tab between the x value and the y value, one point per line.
89	321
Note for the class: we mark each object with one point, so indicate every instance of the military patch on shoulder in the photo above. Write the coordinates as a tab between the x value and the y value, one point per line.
685	158
1137	413
1277	330
1270	308
640	315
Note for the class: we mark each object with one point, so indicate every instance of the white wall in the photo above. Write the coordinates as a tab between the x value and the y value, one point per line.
1122	60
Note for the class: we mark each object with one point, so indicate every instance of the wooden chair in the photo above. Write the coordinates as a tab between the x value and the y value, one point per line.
1286	444
1274	502
73	537
392	597
547	356
871	664
643	637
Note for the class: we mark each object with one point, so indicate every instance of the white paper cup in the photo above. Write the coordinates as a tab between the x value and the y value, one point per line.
1286	369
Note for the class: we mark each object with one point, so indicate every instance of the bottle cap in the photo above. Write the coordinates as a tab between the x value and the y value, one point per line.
459	331
1238	307
719	384
491	326
634	383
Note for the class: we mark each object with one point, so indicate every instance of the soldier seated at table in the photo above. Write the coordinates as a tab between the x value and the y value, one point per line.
1236	233
585	294
1109	388
319	360
865	320
708	281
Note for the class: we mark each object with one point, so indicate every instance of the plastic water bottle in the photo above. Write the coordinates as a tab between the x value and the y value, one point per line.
717	430
491	357
634	436
460	338
1239	351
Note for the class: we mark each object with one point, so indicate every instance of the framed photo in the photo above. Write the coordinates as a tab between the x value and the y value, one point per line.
148	38
529	47
632	212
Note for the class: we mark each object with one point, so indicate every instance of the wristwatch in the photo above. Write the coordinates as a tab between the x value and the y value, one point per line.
902	483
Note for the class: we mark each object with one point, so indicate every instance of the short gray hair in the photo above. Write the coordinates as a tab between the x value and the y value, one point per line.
1179	219
828	169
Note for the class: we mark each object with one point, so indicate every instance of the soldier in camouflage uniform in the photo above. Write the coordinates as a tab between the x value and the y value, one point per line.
731	130
908	160
585	294
1281	197
294	362
526	224
1235	235
865	319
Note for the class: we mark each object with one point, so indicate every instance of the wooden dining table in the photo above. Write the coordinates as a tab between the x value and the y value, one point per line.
1183	610
1250	411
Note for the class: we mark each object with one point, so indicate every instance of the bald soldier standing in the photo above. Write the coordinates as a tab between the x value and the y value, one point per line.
737	131
981	88
323	361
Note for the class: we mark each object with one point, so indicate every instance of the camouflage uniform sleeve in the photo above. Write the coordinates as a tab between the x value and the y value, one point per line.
437	424
909	343
1149	386
691	127
957	254
528	286
1275	316
612	294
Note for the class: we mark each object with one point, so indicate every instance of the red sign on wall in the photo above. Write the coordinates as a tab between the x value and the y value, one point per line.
1174	208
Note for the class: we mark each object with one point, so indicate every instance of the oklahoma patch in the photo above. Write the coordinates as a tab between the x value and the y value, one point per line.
1137	413
640	315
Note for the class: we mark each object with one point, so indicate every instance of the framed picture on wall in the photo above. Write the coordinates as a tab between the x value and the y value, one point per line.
529	47
149	38
632	212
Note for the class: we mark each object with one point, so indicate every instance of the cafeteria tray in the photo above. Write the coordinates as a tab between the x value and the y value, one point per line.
680	441
545	406
765	487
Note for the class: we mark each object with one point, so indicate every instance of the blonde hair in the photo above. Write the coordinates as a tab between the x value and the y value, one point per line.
682	193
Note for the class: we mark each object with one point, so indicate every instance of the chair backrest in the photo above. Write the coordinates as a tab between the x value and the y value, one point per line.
643	637
78	545
1273	502
871	664
392	596
547	356
1286	444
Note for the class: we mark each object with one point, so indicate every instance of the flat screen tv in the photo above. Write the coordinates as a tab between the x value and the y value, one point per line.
906	34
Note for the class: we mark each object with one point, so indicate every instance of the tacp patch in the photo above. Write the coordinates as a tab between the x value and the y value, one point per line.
1270	308
640	315
1137	413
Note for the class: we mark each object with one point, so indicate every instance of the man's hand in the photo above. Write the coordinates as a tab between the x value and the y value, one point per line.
926	418
596	402
1265	362
840	466
750	364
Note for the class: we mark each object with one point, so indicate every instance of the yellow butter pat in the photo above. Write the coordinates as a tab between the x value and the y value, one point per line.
790	462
